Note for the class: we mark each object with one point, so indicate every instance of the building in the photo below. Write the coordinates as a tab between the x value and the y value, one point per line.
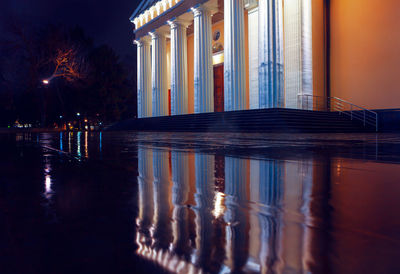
197	56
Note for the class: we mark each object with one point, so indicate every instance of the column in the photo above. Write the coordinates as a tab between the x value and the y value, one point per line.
298	54
179	81
143	77
203	67
234	57
158	74
252	8
270	53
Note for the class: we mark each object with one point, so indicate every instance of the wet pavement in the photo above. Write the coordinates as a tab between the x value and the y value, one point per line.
199	202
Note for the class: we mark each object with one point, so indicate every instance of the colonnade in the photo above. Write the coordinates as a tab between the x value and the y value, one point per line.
267	67
183	219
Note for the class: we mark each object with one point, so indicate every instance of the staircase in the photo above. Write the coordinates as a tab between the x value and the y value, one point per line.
260	120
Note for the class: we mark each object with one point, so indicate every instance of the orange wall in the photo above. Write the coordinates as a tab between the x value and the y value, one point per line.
190	67
365	52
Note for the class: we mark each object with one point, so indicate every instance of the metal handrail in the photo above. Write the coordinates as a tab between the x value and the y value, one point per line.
368	117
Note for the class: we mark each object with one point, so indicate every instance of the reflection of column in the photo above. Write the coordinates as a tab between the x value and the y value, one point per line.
203	68
161	220
179	76
270	53
298	177
234	64
180	189
144	220
204	205
145	180
270	189
143	77
159	75
298	53
319	216
236	195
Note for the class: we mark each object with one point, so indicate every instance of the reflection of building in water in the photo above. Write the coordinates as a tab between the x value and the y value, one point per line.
180	190
269	189
236	183
145	184
206	241
153	237
161	230
244	229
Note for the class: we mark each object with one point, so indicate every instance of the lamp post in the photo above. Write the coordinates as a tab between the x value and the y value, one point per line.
45	83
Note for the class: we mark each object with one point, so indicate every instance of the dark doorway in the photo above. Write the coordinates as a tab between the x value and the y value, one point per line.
219	88
169	102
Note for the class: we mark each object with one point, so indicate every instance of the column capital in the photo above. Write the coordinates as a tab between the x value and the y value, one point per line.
198	10
156	34
176	22
145	40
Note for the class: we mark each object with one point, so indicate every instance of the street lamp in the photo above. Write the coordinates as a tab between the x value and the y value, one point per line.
45	81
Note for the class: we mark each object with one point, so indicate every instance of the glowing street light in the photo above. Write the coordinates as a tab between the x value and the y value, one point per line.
78	114
45	81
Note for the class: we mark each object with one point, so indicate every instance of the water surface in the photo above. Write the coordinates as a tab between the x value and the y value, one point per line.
192	202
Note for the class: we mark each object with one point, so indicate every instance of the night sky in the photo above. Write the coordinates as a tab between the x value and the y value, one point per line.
106	21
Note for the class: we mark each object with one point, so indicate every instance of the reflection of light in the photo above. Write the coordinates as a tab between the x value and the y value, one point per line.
219	207
86	145
100	141
69	142
48	184
78	144
61	141
47	180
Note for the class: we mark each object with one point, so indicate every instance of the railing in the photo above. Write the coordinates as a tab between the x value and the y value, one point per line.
312	102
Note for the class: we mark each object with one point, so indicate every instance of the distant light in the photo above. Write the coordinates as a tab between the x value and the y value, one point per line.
85	120
61	117
218	58
45	81
78	114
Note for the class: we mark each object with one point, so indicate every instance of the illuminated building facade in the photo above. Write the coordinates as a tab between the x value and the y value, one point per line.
199	56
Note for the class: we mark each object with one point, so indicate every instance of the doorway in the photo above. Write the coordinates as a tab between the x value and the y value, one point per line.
219	88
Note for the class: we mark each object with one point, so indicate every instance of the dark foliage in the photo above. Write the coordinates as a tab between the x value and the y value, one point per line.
100	85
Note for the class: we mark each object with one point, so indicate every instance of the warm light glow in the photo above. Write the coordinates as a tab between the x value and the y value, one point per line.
219	206
218	58
46	82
